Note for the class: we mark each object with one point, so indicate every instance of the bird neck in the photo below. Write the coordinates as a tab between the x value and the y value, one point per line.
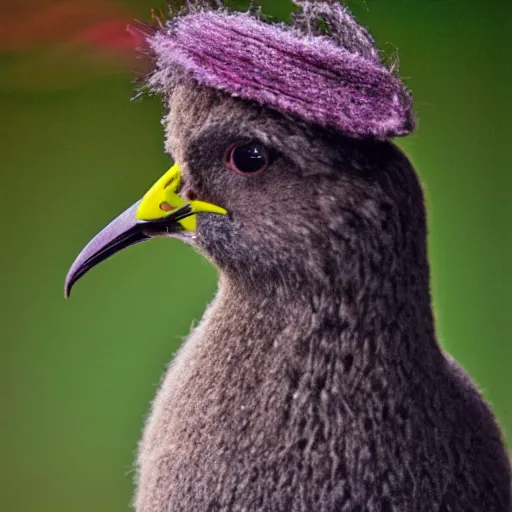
385	323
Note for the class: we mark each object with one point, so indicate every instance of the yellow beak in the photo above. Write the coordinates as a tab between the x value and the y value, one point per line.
160	212
161	200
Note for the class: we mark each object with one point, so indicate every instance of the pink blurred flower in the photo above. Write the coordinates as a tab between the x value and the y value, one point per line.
56	39
98	22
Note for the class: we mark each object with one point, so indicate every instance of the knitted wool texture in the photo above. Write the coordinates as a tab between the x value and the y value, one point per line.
325	80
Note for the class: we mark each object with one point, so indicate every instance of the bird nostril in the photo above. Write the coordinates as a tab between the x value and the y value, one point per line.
190	195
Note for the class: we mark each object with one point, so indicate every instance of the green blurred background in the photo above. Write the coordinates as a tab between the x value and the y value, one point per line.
77	376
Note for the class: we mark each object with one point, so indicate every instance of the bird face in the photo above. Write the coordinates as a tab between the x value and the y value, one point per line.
247	160
268	199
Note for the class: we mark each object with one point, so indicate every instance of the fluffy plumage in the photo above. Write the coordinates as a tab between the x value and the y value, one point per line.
314	381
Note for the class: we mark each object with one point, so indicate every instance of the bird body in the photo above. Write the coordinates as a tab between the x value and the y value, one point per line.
315	381
294	416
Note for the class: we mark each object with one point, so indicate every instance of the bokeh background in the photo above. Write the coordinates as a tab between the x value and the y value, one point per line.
77	377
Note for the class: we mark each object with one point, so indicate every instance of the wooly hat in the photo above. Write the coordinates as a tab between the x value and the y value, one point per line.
324	68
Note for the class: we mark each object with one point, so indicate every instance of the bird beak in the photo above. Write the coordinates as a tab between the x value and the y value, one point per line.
161	211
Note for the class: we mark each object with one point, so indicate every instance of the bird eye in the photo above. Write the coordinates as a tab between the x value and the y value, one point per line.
247	158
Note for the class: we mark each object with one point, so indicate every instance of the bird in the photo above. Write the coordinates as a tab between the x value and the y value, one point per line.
315	380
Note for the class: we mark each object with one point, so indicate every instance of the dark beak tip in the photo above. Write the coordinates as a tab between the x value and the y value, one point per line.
73	275
67	289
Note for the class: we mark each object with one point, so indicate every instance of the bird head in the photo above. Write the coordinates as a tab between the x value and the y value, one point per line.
276	186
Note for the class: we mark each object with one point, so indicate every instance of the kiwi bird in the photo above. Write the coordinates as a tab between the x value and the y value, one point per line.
314	381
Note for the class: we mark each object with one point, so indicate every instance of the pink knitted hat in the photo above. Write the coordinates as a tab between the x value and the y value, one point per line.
324	68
